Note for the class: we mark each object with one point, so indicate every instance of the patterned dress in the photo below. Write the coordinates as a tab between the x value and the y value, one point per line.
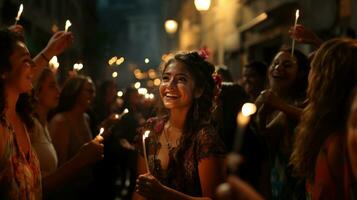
181	175
20	176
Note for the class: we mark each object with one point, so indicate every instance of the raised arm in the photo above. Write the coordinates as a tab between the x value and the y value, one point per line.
56	45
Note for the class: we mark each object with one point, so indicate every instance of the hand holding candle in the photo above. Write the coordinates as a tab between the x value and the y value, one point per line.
107	124
293	44
19	13
68	24
243	119
146	134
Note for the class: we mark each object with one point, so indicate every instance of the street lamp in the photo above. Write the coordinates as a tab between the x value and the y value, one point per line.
202	5
171	26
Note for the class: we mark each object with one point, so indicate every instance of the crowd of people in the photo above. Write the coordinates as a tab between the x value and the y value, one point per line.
68	141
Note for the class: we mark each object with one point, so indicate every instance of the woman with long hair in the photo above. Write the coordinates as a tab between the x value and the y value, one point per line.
279	110
46	95
320	154
185	153
69	129
20	176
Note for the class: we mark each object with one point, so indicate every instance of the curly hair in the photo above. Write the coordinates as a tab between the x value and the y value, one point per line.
199	114
8	41
331	80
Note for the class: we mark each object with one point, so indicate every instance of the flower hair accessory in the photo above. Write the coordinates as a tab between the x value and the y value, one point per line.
203	52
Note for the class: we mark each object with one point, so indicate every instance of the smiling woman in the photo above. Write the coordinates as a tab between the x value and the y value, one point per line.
185	153
279	110
20	176
19	170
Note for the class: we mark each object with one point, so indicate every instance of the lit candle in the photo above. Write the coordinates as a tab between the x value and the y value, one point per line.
68	24
109	124
19	13
54	64
296	19
243	119
78	66
101	131
146	134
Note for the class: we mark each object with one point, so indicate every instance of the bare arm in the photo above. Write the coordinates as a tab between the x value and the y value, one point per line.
88	154
56	45
141	170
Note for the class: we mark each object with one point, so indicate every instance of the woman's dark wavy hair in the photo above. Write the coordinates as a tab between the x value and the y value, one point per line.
201	72
8	41
300	84
70	92
332	79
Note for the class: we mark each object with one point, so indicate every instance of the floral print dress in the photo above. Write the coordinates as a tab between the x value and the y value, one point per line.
181	175
20	176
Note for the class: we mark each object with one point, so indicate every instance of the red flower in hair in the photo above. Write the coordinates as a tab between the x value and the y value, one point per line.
203	52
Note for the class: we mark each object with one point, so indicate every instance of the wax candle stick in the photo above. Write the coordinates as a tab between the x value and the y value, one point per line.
19	13
68	24
146	134
243	119
296	19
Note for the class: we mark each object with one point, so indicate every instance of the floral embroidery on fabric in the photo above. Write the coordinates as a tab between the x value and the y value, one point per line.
181	175
20	176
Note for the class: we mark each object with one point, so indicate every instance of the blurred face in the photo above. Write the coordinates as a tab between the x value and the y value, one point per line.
86	95
19	79
283	72
177	87
49	92
252	83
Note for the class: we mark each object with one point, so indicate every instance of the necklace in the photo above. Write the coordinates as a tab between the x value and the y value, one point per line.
168	144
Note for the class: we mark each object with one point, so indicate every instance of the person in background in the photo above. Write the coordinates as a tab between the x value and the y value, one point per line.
320	150
253	79
70	130
279	110
20	176
46	97
186	156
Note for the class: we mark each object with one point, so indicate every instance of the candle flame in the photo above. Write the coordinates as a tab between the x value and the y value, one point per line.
297	13
78	66
116	116
54	62
248	109
101	131
20	12
68	24
146	134
125	111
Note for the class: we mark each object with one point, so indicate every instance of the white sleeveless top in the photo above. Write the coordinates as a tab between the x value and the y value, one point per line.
42	143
